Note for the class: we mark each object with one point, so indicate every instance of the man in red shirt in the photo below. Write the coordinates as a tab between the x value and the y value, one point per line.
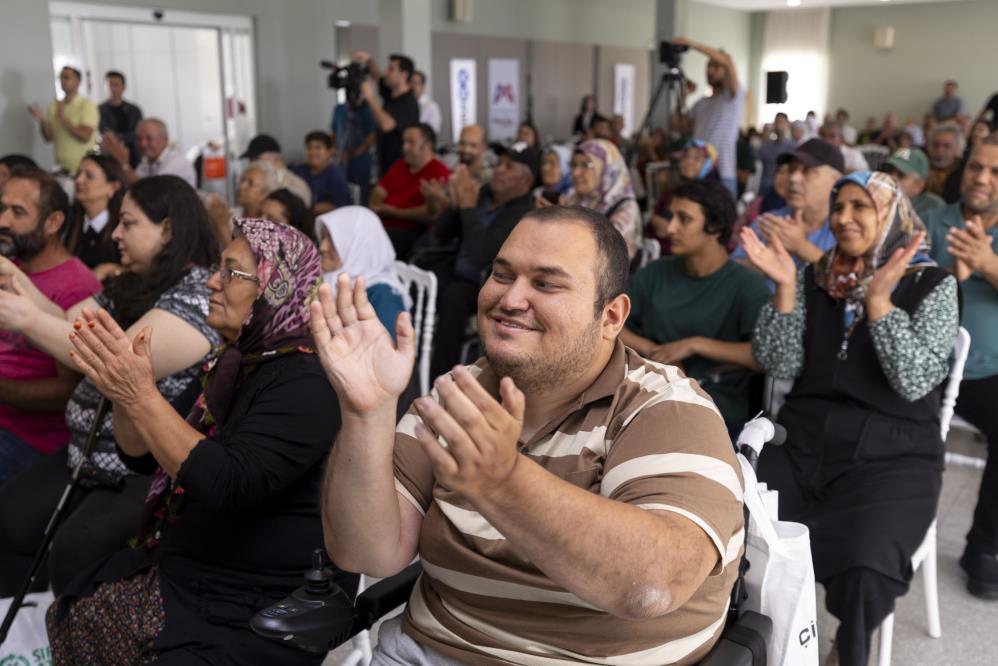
397	199
34	388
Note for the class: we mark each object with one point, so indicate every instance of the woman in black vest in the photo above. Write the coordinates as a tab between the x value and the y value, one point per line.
866	333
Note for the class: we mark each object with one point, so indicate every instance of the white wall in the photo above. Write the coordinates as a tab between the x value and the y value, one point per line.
608	22
933	42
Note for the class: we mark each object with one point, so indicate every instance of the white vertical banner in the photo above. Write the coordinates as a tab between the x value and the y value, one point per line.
504	98
623	95
463	109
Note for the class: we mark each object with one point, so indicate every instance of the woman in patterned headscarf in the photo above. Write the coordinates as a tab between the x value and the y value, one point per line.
697	162
232	516
600	181
866	334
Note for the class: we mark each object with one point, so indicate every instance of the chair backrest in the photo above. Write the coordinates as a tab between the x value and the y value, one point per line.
875	154
354	190
424	311
652	191
650	251
754	181
960	349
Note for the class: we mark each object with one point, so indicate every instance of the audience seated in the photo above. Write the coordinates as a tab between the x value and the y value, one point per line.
777	143
866	333
398	109
951	189
353	128
600	128
429	110
120	117
803	225
852	159
166	244
949	106
716	118
527	133
964	239
587	109
556	171
284	207
34	387
946	144
398	199
471	151
353	241
698	162
232	515
848	132
257	181
70	123
910	167
158	158
10	162
264	148
515	477
94	214
325	180
601	182
479	221
697	309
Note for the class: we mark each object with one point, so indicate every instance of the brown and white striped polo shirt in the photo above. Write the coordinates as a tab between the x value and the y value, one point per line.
642	434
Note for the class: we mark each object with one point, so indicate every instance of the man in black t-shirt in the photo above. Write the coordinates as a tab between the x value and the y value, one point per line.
119	116
398	107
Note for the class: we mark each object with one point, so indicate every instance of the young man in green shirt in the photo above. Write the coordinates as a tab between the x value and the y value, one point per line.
697	308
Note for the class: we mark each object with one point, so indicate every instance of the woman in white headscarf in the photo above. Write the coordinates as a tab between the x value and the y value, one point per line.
352	240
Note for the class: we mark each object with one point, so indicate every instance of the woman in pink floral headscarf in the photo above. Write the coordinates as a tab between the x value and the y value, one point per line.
232	515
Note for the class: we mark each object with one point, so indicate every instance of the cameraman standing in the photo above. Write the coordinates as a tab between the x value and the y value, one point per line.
398	108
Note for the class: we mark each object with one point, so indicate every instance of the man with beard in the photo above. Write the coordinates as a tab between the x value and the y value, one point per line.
471	152
964	237
569	500
34	388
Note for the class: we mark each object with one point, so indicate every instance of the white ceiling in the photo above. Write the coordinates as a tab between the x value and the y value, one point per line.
759	5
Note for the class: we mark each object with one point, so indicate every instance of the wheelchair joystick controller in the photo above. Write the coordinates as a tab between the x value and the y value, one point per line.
316	617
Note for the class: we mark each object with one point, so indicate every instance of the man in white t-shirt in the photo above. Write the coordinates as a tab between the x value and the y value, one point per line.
716	118
429	111
158	158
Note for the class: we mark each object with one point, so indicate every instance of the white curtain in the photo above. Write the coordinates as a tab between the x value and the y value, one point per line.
796	41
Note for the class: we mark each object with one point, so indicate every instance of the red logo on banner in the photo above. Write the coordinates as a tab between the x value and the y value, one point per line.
504	90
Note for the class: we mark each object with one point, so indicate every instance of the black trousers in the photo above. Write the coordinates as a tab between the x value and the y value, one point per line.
99	522
977	404
458	300
861	598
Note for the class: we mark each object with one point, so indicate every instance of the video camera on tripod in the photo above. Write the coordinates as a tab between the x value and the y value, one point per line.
670	55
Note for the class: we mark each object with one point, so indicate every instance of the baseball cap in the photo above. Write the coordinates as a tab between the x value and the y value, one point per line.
908	160
261	143
522	153
815	152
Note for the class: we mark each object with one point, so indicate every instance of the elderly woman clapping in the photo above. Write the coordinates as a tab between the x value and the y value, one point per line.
232	516
866	333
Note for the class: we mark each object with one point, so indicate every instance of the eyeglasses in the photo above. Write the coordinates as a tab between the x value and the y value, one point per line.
226	274
582	165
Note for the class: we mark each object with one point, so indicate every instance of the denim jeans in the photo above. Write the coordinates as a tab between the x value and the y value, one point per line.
15	455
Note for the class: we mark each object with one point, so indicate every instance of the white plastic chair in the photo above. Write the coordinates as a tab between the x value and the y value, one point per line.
925	555
875	154
650	251
424	311
361	654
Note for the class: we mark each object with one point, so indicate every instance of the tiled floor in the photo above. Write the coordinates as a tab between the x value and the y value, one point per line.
970	626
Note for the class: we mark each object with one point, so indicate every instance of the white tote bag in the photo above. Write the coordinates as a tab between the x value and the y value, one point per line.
28	641
780	580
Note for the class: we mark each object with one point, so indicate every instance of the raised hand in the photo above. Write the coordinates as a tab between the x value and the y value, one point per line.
36	112
121	369
878	292
972	246
17	311
773	259
367	370
114	147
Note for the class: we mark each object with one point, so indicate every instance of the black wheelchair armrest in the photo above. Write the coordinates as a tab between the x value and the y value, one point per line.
384	596
743	643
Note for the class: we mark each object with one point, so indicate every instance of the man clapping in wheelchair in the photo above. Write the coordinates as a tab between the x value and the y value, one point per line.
569	500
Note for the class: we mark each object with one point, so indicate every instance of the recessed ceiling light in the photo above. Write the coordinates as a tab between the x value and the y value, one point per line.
793	3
